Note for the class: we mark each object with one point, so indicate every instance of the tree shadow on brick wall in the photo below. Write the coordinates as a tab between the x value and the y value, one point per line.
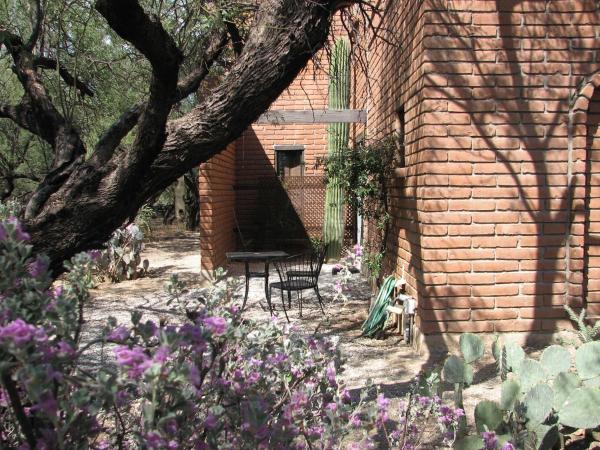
508	101
267	218
519	106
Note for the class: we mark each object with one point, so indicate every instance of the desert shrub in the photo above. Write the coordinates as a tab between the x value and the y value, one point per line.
214	380
121	259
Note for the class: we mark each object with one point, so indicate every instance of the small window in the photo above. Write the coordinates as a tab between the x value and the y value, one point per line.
289	160
399	136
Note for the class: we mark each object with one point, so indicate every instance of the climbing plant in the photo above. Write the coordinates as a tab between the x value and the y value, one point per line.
337	141
363	173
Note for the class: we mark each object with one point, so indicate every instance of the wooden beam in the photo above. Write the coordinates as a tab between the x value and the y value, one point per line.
285	116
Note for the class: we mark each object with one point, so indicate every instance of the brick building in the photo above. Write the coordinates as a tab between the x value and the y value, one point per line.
496	212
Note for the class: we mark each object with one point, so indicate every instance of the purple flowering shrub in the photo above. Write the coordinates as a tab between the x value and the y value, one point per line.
214	380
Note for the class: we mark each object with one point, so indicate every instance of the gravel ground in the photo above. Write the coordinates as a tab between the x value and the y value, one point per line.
388	362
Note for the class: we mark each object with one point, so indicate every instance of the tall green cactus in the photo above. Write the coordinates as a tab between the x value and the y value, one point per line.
337	141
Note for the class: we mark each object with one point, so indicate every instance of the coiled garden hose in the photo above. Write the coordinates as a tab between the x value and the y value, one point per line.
378	314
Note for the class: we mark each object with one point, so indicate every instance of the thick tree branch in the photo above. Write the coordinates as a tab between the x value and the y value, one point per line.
130	22
111	138
146	33
37	27
44	120
236	39
49	63
98	198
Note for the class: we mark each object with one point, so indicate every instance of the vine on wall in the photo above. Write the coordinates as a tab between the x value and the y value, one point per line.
364	173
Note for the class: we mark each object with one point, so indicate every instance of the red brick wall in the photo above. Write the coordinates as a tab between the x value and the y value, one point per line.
217	202
394	62
485	216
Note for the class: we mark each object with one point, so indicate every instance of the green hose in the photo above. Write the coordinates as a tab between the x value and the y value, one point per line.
378	314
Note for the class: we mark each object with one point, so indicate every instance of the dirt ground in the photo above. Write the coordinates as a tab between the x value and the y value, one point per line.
388	362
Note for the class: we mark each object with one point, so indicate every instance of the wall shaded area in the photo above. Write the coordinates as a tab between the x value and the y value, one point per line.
217	208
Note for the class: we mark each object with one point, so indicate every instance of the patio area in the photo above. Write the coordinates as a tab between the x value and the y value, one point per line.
388	362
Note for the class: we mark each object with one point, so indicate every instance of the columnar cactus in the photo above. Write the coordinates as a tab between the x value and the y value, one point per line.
337	141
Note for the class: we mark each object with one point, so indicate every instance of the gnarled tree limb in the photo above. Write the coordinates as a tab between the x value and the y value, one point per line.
111	138
95	199
49	63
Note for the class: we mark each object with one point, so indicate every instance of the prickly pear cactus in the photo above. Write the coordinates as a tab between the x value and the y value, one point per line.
121	258
538	399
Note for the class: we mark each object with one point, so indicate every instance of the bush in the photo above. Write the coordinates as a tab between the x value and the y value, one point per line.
215	380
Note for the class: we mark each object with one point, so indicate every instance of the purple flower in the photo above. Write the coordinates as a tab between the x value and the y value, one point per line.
154	441
210	422
119	334
20	235
65	349
358	250
162	354
38	267
121	398
253	377
94	254
22	333
355	421
382	402
508	446
490	441
331	406
216	325
134	359
46	404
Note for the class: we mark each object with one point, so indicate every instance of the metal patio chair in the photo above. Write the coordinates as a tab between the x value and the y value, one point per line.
296	274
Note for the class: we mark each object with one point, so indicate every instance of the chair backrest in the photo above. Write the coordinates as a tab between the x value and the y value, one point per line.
319	258
302	265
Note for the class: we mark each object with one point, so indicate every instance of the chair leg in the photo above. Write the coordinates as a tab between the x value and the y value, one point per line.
283	304
269	299
319	298
300	303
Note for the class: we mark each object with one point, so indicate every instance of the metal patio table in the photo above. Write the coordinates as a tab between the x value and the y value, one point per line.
247	258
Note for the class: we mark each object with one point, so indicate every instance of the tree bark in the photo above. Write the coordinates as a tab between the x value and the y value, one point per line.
98	194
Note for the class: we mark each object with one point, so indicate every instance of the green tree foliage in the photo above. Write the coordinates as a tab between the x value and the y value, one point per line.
110	74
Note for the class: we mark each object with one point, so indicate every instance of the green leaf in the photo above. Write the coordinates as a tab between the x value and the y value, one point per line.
581	409
471	347
592	382
514	356
564	384
497	349
457	371
488	416
538	402
587	360
469	443
510	392
556	359
546	436
530	374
